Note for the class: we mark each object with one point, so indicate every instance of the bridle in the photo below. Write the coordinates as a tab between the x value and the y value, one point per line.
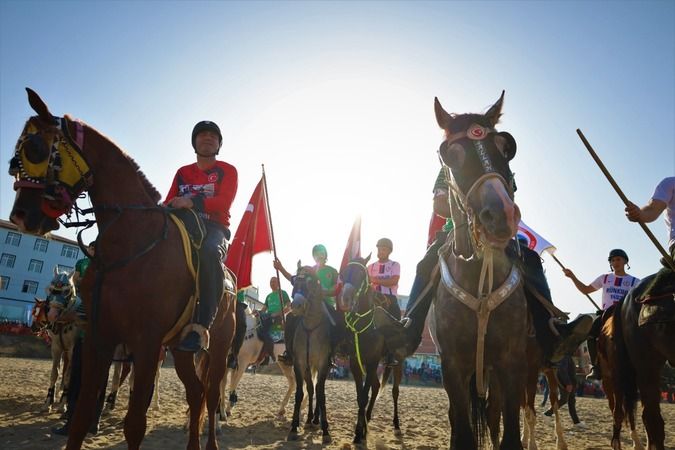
355	321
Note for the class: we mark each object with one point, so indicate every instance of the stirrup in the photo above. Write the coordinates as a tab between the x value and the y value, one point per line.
204	336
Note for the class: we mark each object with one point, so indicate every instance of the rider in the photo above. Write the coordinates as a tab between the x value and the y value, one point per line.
663	198
328	277
384	275
239	330
276	308
405	336
207	186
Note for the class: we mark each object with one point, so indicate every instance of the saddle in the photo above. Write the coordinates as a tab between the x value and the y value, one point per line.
658	299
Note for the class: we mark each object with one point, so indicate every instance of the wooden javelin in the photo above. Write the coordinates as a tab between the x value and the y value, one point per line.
625	200
274	247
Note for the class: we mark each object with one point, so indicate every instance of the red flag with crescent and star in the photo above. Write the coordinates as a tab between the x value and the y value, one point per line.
253	236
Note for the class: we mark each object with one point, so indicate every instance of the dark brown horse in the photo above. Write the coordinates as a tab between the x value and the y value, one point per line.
138	287
366	344
642	351
607	353
480	311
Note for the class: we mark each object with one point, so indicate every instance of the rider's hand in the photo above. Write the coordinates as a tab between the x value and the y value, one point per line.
568	273
633	212
181	202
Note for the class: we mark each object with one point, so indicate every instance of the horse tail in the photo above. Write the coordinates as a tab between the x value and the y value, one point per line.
478	414
627	383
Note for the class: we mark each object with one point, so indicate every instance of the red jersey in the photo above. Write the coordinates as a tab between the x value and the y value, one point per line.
212	190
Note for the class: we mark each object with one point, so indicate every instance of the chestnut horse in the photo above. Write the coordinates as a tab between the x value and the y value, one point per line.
480	313
642	351
366	344
138	288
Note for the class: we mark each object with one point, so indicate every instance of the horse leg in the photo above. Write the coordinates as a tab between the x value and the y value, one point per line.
494	414
456	385
295	423
637	443
65	377
115	385
56	361
288	373
321	402
186	371
236	375
309	384
360	384
512	380
221	338
96	359
555	400
375	390
155	389
135	421
398	374
648	386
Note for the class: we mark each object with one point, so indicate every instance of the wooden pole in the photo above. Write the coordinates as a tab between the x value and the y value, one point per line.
625	200
274	247
587	296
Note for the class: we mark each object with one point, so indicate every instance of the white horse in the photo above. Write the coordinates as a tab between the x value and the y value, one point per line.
248	355
121	359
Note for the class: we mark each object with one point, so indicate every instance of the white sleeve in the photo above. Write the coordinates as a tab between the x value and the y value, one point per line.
665	190
597	283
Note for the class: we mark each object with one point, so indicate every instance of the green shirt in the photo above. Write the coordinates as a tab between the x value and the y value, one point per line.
328	277
273	304
241	296
82	265
442	184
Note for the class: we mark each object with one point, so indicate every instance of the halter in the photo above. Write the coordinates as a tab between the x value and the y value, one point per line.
353	318
63	175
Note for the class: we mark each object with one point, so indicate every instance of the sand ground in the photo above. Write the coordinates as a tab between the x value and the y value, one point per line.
423	413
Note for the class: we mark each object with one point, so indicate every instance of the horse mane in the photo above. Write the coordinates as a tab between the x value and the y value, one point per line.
608	327
149	188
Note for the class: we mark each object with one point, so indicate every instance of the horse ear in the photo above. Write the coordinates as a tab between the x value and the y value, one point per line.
367	258
442	117
39	106
495	111
56	270
299	265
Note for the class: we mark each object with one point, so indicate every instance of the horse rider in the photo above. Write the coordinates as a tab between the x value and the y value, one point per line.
662	199
328	277
405	336
276	307
615	285
384	275
208	187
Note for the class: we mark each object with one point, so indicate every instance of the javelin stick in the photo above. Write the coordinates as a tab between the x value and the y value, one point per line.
274	247
625	200
587	296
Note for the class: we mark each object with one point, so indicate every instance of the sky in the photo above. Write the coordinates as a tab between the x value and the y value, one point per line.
336	100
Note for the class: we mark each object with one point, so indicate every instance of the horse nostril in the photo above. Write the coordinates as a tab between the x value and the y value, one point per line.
486	217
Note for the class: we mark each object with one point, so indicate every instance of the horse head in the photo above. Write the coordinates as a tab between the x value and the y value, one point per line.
39	314
49	170
477	160
306	289
355	281
60	293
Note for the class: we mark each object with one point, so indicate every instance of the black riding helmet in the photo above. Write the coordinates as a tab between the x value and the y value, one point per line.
205	125
617	252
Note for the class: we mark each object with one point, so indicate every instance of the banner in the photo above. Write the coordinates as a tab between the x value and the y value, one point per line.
534	241
353	248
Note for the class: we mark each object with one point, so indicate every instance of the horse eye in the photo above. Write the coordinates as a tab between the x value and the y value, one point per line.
452	155
35	149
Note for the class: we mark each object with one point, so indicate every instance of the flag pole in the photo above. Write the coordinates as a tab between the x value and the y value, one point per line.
625	200
274	247
587	296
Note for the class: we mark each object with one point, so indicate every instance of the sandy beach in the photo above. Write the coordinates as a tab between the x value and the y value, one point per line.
253	424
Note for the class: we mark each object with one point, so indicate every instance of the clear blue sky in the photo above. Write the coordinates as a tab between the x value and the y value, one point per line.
336	99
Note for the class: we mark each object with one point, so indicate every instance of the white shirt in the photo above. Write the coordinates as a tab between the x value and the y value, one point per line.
614	288
665	192
382	271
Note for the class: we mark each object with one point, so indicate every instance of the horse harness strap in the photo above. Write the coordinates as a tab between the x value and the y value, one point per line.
482	307
351	321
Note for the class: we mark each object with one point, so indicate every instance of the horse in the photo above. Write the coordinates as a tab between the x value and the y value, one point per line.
47	319
607	353
137	282
366	344
480	282
249	354
311	351
123	367
642	350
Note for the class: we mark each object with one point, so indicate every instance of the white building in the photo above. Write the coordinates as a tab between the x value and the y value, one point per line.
27	265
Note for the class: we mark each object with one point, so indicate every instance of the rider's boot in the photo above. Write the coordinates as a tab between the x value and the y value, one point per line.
571	336
594	374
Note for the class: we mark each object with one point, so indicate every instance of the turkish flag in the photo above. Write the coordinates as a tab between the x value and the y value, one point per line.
253	236
353	249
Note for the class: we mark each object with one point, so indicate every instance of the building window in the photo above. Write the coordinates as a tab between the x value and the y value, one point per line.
29	287
35	265
62	268
7	260
69	251
41	245
4	283
13	239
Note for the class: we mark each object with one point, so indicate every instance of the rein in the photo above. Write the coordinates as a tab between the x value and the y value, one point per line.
352	318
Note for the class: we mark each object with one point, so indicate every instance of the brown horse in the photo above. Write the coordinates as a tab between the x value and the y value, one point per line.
479	281
607	353
138	288
642	351
366	344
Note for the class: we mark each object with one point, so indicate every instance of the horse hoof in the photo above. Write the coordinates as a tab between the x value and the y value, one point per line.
292	436
326	439
397	432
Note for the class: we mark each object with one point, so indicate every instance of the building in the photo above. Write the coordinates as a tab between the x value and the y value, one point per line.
27	265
